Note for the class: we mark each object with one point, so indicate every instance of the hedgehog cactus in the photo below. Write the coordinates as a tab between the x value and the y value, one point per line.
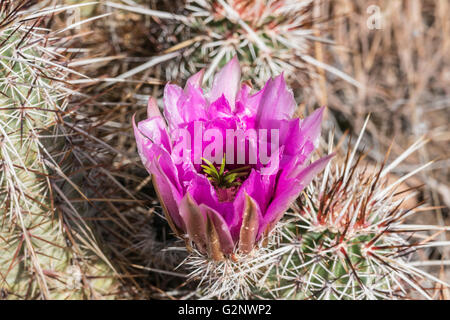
268	36
40	253
249	235
348	238
344	238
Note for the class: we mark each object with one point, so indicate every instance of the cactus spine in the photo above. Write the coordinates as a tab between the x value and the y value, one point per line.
42	255
345	238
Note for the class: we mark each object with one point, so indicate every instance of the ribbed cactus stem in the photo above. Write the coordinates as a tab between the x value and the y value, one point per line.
39	253
344	238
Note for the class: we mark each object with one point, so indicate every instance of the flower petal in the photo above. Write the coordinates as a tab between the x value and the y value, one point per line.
258	187
285	196
277	102
212	241
169	196
221	227
202	190
227	82
209	216
220	108
172	93
196	80
152	109
195	221
155	130
192	105
148	150
311	126
250	225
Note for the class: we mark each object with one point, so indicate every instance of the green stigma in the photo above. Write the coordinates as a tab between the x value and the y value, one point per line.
221	177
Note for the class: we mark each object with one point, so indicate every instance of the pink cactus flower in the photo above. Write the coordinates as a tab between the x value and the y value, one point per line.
229	198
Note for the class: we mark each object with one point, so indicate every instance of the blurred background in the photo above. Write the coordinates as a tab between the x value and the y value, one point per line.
385	58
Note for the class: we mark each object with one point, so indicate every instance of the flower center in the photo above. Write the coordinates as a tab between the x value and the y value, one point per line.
225	180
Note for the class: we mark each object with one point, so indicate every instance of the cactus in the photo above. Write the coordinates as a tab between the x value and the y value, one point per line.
345	238
46	253
268	36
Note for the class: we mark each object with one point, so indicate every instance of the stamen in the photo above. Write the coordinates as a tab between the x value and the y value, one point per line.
223	178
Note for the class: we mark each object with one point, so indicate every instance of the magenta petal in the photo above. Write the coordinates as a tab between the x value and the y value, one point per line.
307	174
155	130
292	164
220	108
227	83
203	192
164	177
196	80
154	155
141	141
247	105
243	94
168	193
172	94
295	135
226	242
288	131
242	105
148	150
311	126
152	109
277	102
195	221
192	105
288	195
254	187
257	187
251	221
275	163
254	101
